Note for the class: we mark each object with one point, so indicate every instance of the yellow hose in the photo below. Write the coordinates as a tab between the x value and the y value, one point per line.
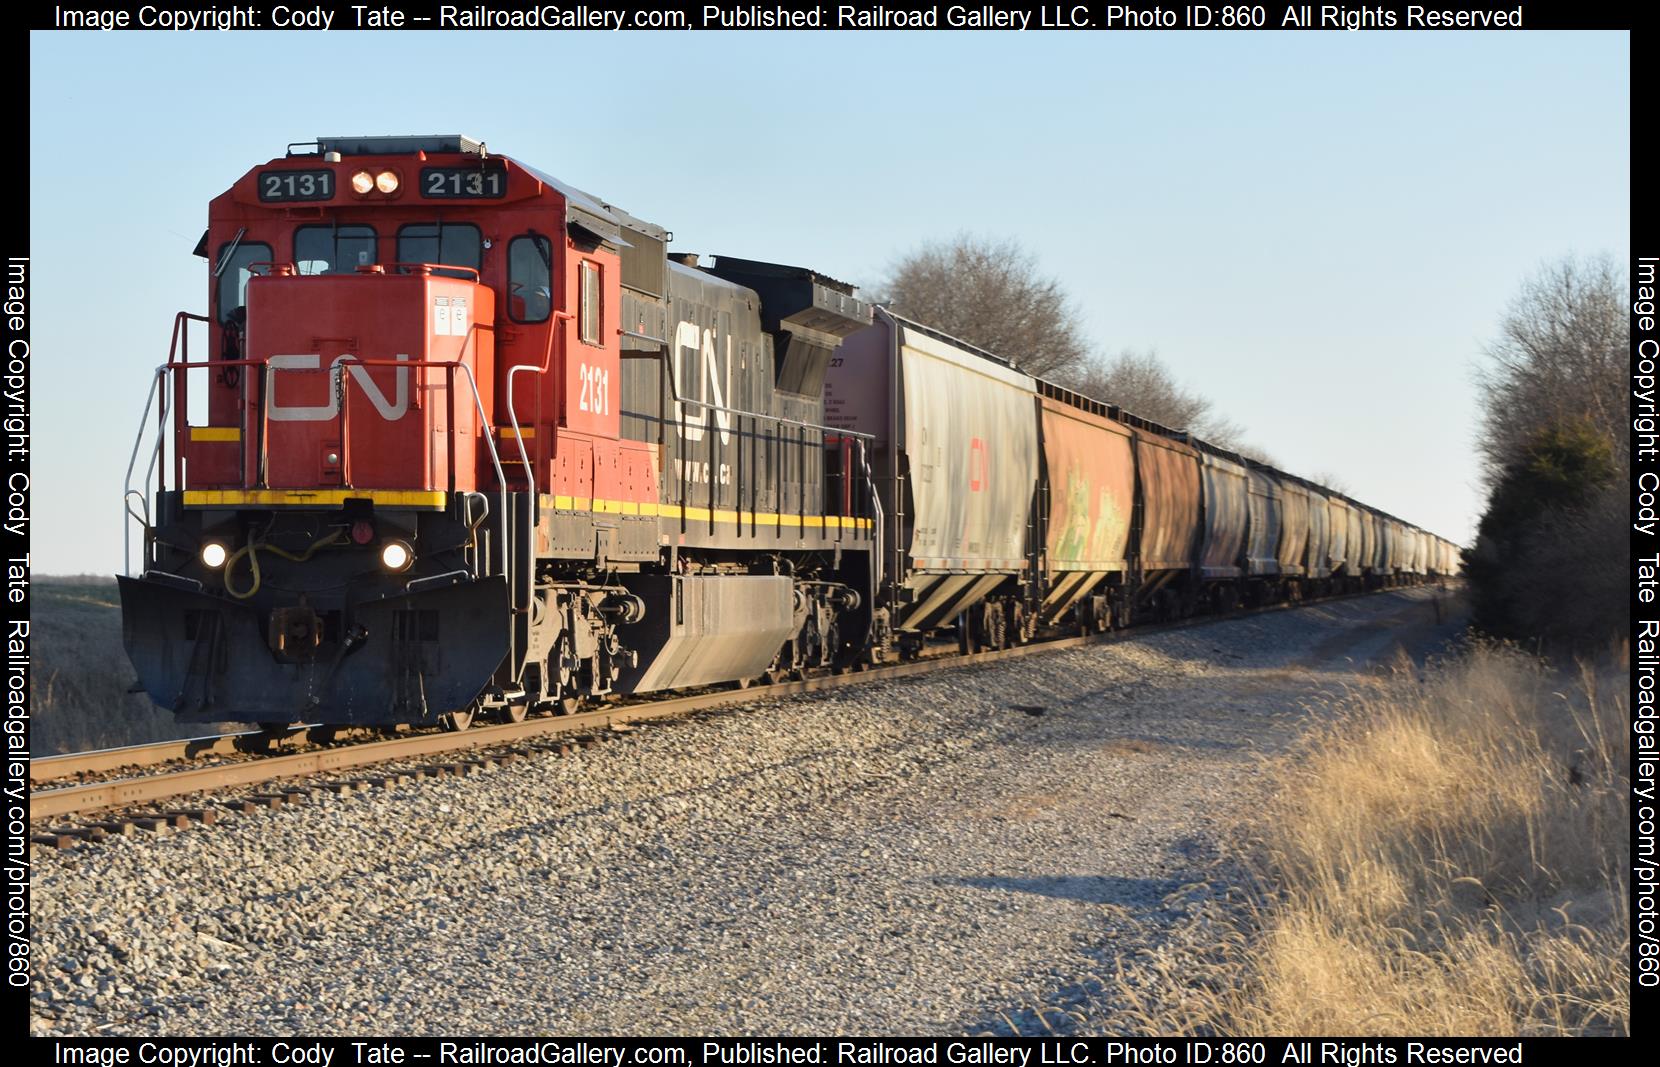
252	550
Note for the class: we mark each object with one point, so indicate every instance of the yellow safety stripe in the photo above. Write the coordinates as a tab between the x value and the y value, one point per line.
215	433
697	514
523	431
276	498
435	500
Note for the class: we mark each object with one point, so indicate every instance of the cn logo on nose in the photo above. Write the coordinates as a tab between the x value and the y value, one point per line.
391	411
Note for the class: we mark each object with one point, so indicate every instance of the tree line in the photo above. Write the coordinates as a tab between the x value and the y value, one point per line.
1551	563
992	293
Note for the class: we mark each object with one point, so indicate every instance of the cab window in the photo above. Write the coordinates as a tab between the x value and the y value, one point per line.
234	271
333	249
453	244
590	303
530	278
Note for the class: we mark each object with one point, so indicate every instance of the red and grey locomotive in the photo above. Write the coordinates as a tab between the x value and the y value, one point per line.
467	438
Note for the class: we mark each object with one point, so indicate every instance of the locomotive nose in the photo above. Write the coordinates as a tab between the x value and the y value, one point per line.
409	657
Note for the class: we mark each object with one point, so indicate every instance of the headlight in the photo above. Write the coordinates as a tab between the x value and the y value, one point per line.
363	183
396	556
214	555
386	181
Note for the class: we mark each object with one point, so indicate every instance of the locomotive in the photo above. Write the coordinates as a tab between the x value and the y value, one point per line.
467	440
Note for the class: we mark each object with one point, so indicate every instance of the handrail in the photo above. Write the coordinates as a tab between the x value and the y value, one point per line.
132	461
422	268
876	526
178	346
483	420
336	370
513	416
674	394
291	269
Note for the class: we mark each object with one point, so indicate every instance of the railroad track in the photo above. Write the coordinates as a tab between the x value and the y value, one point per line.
242	764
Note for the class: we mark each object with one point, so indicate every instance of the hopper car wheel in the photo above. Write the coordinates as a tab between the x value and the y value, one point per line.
456	721
774	672
1020	627
323	735
994	627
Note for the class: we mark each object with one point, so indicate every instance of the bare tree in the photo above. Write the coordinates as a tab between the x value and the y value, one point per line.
1140	383
991	293
1552	558
1560	357
1335	482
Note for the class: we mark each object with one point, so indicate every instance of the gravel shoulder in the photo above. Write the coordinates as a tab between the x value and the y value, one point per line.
993	848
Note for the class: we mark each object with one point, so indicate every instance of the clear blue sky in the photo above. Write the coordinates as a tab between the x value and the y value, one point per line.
1319	231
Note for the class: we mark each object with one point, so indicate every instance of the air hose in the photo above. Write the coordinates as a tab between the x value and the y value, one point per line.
252	550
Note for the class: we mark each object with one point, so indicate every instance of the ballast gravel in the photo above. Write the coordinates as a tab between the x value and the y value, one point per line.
994	848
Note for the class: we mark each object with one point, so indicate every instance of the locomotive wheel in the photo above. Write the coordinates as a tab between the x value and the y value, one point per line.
322	735
512	712
456	721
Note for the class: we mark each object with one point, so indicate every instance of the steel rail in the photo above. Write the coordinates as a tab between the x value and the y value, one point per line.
70	764
68	800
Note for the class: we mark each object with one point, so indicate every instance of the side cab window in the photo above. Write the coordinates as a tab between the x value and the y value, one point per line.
529	278
234	269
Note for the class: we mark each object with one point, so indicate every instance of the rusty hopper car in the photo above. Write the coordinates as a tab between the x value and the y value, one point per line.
1168	531
1262	565
1294	530
1087	501
1225	521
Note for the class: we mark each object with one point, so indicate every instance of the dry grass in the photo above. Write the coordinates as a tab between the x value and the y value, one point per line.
78	697
1445	857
